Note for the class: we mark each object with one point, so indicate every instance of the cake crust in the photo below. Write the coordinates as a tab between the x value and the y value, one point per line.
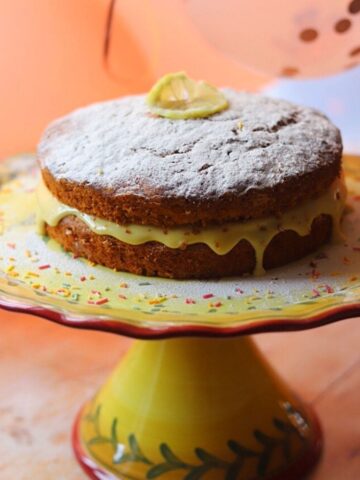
259	158
193	261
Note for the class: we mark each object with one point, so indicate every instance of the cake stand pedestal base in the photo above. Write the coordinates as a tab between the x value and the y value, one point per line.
196	408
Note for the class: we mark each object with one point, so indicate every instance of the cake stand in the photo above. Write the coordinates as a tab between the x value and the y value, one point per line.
206	404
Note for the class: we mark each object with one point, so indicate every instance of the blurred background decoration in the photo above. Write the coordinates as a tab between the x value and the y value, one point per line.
306	38
60	54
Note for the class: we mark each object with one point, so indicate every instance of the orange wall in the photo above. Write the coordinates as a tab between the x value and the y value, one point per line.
50	62
51	58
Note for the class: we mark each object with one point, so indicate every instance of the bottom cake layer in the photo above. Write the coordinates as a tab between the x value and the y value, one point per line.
192	261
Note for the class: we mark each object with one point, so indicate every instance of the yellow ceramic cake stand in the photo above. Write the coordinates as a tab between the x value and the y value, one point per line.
206	404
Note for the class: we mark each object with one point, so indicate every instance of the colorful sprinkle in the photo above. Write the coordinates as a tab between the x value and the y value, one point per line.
328	289
206	296
254	299
44	267
13	274
101	301
63	292
190	301
32	274
216	304
157	300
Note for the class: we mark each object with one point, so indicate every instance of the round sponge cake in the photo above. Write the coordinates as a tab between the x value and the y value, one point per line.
258	159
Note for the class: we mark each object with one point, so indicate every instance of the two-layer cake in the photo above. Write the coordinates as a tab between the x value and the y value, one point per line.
252	187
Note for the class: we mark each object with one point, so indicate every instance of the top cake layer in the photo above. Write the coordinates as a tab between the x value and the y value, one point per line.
259	157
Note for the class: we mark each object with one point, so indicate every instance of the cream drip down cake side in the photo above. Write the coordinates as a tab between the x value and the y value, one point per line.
200	184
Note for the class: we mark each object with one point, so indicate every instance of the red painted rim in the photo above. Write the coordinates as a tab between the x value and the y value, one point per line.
305	464
297	470
169	331
91	469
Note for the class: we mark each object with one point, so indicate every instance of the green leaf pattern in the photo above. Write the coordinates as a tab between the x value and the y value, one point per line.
207	462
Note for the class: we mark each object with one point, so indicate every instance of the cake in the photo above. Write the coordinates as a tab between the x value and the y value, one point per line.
252	187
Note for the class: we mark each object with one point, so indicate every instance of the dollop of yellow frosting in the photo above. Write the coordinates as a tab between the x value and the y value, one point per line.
220	238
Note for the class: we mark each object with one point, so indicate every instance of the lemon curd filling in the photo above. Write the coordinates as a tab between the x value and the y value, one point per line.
220	238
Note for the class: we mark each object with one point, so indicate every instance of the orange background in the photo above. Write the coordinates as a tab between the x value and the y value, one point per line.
51	58
56	55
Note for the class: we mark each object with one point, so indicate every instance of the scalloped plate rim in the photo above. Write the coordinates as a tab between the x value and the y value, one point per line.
140	328
168	331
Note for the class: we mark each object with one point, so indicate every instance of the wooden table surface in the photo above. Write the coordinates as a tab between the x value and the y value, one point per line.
47	371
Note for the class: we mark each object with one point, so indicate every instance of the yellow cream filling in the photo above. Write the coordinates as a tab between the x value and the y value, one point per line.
221	239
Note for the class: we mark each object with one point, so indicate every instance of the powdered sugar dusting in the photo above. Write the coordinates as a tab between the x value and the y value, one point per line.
120	146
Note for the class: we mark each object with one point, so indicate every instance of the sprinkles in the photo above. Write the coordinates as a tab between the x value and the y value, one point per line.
44	267
328	289
206	296
156	301
100	301
63	292
216	304
53	274
190	301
